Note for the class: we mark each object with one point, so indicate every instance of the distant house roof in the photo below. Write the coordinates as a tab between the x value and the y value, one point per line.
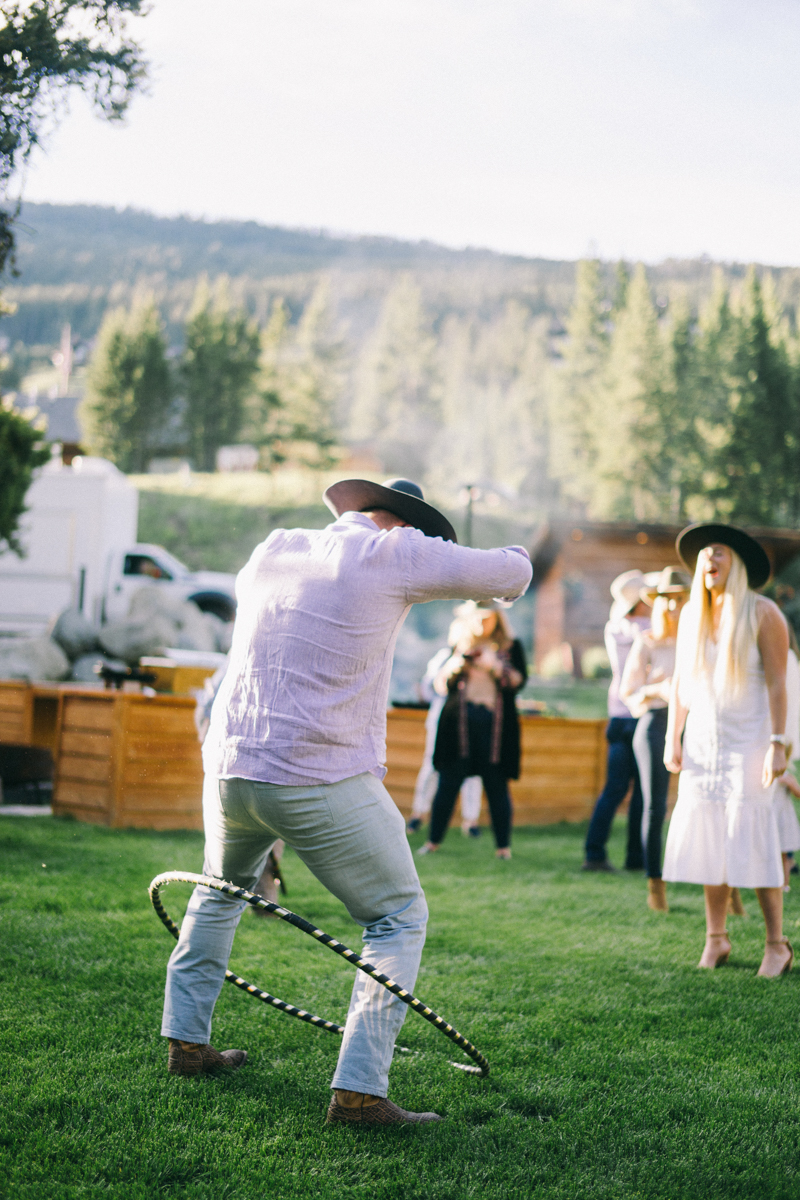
62	419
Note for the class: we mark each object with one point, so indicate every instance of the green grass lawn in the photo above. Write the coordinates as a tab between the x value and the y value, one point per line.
571	697
618	1069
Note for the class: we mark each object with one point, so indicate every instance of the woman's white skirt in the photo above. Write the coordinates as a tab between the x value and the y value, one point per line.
714	842
788	824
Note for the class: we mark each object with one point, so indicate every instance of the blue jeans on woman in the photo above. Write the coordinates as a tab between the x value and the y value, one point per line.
648	746
621	771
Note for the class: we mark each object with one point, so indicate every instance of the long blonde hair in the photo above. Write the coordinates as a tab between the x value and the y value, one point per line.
470	634
659	621
738	629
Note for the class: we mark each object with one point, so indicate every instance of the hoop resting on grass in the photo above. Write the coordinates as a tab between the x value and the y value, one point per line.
482	1067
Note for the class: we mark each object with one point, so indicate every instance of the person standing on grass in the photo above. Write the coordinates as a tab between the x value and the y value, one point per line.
479	727
726	735
629	617
428	776
296	750
788	825
645	688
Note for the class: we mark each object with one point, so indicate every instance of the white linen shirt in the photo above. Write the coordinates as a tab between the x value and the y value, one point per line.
304	697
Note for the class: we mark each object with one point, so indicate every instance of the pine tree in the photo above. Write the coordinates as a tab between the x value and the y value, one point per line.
494	419
219	366
397	406
575	384
128	387
629	475
294	414
756	468
313	386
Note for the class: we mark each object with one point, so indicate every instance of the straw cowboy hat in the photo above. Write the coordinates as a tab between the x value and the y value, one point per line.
398	496
695	538
626	591
671	582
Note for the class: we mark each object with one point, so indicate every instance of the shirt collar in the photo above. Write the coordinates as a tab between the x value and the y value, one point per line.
356	518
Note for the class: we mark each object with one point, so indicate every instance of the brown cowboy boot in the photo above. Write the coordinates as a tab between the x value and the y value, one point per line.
191	1058
358	1109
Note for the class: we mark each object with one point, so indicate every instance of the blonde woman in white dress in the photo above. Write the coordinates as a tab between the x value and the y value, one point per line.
726	736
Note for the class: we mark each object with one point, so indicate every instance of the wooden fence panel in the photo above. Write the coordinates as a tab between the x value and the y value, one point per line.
563	766
15	712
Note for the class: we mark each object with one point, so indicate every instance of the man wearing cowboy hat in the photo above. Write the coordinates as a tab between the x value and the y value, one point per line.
628	616
296	750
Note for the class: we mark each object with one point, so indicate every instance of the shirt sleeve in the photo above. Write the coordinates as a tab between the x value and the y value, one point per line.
439	570
612	649
635	674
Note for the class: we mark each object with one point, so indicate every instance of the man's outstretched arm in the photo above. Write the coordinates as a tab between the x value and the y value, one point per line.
438	570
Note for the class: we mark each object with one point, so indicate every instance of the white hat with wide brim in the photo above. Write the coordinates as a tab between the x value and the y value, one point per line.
626	592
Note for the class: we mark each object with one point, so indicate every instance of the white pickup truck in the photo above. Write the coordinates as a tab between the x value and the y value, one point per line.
79	534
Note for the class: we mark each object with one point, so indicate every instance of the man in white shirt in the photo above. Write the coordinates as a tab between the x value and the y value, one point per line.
296	749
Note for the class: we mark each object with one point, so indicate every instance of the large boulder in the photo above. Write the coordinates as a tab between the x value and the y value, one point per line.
33	659
130	639
74	634
153	601
198	632
192	629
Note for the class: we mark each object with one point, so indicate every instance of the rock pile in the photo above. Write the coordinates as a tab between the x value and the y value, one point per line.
155	623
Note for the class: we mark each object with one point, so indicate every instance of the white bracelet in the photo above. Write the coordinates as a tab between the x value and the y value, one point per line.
779	739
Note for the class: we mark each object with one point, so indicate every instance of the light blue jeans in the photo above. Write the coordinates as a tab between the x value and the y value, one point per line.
352	837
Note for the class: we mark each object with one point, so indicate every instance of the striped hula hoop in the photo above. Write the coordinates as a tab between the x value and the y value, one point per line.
482	1066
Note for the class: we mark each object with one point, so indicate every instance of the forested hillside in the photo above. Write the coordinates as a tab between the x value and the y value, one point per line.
595	388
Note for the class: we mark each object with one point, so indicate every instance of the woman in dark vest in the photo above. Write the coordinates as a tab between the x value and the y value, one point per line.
479	727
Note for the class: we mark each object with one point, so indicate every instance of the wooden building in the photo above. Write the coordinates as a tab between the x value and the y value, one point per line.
575	562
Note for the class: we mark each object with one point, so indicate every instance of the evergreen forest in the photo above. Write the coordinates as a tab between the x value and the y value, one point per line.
611	391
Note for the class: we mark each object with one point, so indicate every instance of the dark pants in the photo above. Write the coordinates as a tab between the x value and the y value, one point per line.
648	746
495	782
621	771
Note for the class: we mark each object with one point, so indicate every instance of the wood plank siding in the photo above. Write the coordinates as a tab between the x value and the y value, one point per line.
563	766
16	712
128	760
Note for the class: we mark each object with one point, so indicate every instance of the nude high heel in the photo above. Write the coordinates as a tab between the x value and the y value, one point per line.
787	966
722	955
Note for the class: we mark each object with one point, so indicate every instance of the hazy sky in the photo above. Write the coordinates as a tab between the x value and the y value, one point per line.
643	128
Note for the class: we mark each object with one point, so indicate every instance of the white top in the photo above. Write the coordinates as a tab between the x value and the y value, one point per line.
304	698
649	662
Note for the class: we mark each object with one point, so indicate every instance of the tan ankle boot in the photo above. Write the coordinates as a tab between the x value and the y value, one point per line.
192	1058
657	895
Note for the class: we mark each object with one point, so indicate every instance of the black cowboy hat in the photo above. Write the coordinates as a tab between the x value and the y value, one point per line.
398	496
694	538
